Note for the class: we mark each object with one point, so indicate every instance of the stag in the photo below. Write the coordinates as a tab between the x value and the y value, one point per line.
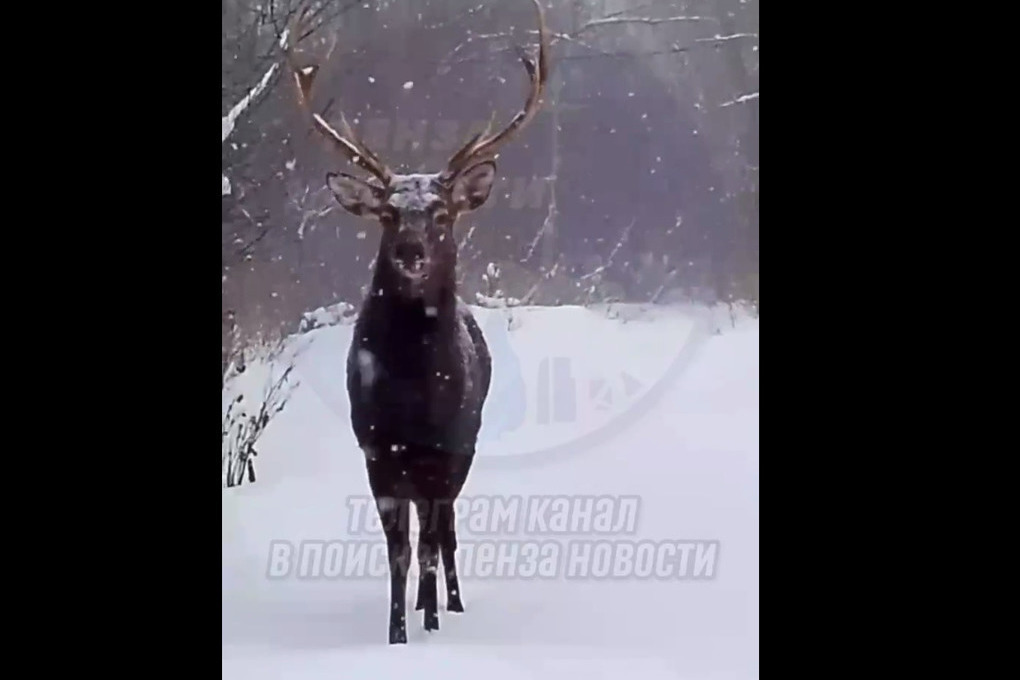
418	369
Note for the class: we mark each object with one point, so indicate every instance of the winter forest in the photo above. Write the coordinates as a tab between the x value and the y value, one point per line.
601	380
638	180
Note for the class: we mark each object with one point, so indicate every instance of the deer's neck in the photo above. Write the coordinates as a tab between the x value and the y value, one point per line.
435	309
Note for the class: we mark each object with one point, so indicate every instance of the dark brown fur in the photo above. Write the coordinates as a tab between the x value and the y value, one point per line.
418	373
418	370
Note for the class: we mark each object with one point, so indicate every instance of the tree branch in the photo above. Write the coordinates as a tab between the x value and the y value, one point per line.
229	121
739	100
724	38
636	20
575	38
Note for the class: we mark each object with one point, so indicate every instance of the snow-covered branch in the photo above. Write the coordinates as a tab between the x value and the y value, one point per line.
594	280
229	121
256	386
575	36
311	206
331	315
542	278
739	100
724	38
494	297
556	37
637	20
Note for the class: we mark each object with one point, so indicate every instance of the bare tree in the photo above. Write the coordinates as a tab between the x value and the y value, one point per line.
651	112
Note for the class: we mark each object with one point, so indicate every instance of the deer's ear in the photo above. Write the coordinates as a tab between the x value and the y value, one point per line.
355	195
471	187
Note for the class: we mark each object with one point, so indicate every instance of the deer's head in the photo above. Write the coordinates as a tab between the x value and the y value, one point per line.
417	212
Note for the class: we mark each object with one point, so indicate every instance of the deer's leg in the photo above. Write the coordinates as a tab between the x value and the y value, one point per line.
459	468
448	549
419	603
394	515
428	561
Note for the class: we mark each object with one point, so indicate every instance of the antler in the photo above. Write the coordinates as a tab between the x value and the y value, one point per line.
345	141
483	144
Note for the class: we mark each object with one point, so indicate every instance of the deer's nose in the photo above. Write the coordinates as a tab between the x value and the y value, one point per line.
409	255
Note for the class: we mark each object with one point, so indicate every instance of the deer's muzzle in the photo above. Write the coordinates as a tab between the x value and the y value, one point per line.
409	256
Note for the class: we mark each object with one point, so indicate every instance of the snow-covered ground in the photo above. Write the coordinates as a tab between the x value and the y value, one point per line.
612	449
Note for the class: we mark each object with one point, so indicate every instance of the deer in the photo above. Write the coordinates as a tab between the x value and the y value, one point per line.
418	367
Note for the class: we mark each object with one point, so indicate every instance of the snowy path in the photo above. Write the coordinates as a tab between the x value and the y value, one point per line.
690	464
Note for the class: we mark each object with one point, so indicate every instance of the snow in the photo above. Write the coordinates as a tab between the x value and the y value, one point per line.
493	302
366	364
663	416
330	315
740	100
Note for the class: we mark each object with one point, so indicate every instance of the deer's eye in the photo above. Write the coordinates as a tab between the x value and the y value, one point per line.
441	217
